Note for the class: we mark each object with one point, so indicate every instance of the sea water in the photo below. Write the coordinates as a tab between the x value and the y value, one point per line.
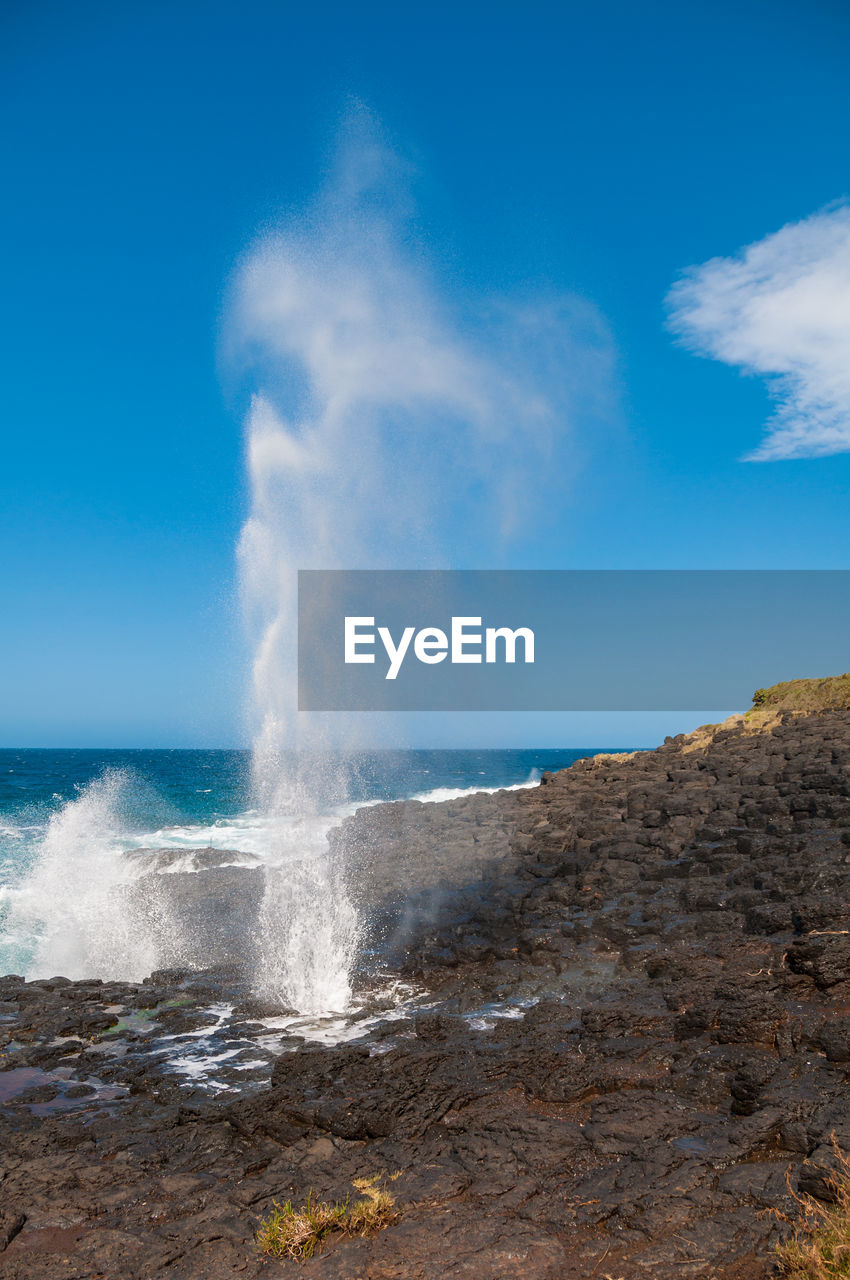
69	818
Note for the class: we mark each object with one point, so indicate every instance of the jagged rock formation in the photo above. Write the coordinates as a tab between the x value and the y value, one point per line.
682	920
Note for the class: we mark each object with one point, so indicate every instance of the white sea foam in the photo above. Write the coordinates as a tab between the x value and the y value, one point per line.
278	839
68	912
438	795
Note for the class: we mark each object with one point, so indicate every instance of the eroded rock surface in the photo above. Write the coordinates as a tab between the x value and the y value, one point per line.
681	922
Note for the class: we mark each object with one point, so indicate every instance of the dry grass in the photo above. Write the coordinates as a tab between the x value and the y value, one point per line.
827	693
820	1246
298	1233
794	697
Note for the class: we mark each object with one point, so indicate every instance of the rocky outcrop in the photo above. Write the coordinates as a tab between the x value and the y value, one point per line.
199	907
633	1044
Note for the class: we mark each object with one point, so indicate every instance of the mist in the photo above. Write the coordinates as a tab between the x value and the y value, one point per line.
390	425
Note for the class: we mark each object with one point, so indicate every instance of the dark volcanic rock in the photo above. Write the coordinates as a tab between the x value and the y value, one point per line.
824	958
680	917
199	918
183	860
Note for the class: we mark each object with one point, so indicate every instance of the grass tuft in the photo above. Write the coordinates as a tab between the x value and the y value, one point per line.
297	1233
820	1246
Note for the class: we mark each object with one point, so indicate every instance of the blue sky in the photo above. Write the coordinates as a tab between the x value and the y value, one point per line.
590	151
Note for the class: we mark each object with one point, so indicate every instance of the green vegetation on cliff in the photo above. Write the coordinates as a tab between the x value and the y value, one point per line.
830	693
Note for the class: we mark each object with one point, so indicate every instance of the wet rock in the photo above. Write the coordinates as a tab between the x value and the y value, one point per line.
175	861
198	918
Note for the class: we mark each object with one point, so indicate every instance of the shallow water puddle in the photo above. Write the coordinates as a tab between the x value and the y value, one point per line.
69	1093
19	1079
141	1021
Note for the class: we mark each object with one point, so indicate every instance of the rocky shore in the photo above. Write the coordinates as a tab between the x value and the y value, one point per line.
630	1043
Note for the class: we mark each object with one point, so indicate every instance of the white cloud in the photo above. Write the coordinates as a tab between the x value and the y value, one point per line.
781	309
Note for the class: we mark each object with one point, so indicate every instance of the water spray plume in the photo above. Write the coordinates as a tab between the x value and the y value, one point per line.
380	435
386	429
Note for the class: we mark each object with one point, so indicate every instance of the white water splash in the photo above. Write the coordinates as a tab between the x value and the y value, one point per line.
385	430
71	903
441	794
308	931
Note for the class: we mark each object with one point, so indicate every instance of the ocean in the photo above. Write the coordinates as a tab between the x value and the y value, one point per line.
76	825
